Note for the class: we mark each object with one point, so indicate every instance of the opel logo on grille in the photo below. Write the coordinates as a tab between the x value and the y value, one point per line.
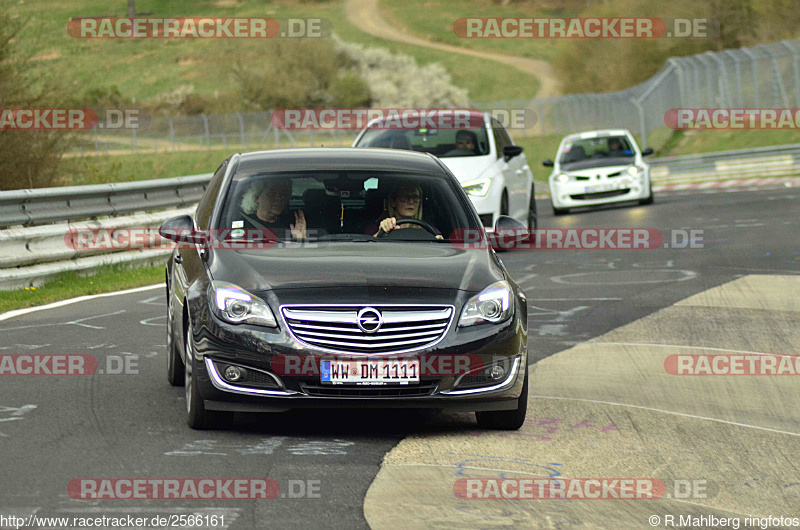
369	320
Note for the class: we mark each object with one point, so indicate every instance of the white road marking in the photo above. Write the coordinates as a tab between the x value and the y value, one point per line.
690	348
146	321
612	403
686	275
153	301
62	303
570	299
78	322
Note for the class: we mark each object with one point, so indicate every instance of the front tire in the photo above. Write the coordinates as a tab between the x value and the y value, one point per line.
197	417
648	200
506	420
176	374
560	211
533	215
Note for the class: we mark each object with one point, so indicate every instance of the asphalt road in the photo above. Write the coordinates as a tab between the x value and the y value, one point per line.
131	425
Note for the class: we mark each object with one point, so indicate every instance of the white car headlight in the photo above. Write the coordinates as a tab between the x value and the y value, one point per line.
234	305
494	304
562	178
634	171
478	187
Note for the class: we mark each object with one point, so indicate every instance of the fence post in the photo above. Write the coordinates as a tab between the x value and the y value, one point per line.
208	136
241	130
737	66
776	79
681	81
171	132
795	71
754	67
642	125
722	82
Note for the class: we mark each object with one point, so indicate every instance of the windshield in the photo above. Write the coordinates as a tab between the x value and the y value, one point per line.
444	143
598	148
342	206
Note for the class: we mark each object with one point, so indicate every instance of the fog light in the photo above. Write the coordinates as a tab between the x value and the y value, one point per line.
233	373
497	372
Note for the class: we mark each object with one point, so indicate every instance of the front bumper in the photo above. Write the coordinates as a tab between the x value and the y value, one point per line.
574	194
217	344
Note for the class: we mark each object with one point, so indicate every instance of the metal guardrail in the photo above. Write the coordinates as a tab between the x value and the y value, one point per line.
780	161
46	205
30	254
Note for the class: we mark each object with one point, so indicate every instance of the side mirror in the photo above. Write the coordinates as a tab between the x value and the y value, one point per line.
181	230
547	163
510	151
648	151
507	233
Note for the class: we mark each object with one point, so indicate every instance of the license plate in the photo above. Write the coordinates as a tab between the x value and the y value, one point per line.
600	188
370	372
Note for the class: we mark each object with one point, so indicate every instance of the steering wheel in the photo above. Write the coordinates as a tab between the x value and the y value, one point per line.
409	220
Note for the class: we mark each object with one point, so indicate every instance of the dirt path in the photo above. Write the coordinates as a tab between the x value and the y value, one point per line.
365	14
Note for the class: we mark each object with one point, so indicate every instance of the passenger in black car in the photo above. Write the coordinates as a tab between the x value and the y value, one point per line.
264	206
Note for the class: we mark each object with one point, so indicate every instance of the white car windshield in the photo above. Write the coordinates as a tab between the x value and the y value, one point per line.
599	148
443	143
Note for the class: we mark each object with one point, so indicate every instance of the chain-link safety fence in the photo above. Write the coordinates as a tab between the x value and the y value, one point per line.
764	76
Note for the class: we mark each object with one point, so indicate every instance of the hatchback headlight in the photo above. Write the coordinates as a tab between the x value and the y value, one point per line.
234	305
562	178
634	171
494	304
478	187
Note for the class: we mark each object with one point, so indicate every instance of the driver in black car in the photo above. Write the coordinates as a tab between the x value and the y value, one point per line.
404	202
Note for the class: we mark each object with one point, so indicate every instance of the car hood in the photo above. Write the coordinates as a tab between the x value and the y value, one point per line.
467	168
368	264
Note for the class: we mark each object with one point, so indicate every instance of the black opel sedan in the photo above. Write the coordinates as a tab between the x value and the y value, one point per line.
342	278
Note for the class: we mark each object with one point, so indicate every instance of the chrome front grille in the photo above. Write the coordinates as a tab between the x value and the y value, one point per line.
336	327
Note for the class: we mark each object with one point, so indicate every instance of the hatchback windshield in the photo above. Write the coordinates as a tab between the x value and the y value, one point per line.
443	143
598	148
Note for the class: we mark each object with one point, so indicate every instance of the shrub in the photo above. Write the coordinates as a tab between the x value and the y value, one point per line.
28	158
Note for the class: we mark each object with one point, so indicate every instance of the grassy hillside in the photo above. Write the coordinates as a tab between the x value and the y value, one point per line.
146	69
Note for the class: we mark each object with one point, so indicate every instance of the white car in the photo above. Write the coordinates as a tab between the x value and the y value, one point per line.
493	170
599	167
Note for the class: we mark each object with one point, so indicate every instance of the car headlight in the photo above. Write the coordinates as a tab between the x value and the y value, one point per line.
494	304
635	171
478	187
562	178
234	305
